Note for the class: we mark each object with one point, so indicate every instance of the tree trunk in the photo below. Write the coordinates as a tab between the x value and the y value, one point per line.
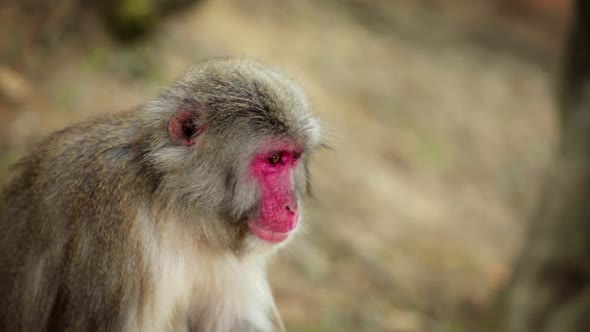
550	289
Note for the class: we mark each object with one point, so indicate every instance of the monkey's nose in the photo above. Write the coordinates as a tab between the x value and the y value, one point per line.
291	208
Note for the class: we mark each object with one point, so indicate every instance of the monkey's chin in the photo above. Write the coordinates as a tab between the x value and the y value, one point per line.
266	234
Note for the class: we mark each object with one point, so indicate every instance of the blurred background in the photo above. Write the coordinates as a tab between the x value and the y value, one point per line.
441	116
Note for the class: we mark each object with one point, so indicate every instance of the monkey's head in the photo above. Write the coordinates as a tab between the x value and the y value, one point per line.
232	140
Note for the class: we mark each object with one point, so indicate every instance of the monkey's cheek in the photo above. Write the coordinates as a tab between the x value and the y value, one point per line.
266	234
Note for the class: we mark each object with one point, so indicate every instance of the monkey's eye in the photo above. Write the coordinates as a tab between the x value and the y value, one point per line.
275	159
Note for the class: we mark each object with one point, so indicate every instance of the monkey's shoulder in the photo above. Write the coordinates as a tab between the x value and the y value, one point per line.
96	132
90	153
87	141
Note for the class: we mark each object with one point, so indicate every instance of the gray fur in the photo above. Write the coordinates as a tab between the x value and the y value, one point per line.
71	250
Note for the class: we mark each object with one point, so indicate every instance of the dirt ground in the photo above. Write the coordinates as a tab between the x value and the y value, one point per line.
439	145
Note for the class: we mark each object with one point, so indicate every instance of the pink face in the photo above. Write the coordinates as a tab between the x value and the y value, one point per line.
279	212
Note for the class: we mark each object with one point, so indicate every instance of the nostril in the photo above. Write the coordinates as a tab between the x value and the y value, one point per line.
289	208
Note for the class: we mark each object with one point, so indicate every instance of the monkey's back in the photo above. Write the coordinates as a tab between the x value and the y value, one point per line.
66	229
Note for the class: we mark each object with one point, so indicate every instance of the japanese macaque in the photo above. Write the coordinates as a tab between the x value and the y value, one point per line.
161	218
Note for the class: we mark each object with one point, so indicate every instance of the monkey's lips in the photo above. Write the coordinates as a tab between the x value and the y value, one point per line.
266	234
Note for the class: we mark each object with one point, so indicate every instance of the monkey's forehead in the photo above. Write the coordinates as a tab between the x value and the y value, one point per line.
259	98
298	130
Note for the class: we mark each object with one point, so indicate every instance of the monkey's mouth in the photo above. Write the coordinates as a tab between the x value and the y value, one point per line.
266	234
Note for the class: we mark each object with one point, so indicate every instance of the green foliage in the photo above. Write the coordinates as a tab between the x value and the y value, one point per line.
95	59
133	19
136	9
130	19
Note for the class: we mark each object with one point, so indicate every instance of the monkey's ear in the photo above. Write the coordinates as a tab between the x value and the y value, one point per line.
184	127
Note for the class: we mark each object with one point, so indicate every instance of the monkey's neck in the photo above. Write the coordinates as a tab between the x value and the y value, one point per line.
212	290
